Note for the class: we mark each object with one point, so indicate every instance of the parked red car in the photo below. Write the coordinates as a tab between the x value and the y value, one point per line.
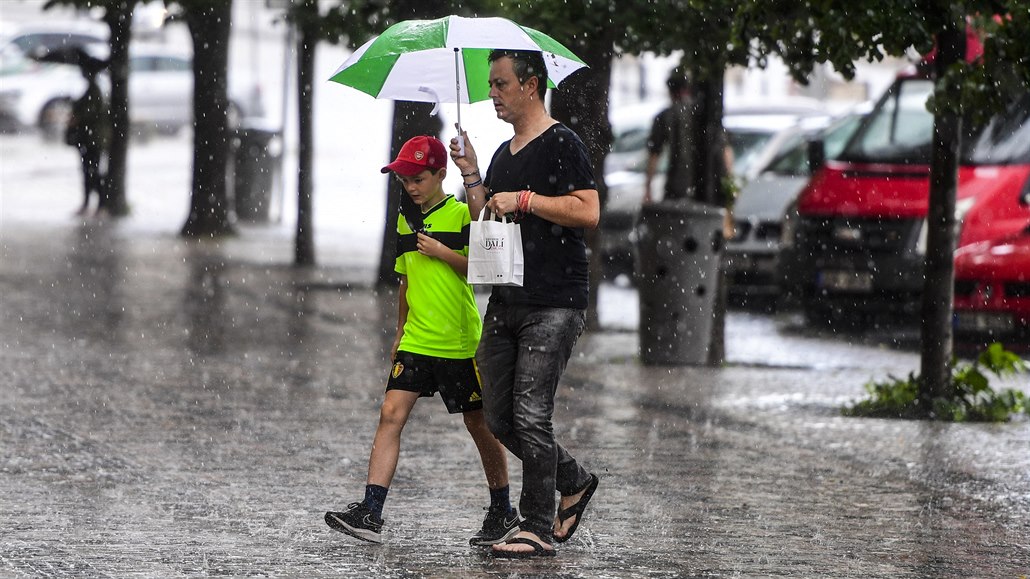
992	286
860	243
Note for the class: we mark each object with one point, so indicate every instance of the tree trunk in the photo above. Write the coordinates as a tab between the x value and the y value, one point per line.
210	212
711	168
410	119
581	104
118	17
304	242
936	344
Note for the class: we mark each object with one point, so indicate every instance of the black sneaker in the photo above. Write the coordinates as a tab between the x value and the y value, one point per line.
357	521
498	527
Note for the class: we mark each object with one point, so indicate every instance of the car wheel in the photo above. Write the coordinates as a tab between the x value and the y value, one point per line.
53	119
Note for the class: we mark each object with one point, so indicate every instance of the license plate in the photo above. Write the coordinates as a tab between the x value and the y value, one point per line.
741	263
984	322
846	281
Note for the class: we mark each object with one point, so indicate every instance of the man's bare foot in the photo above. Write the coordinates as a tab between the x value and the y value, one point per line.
523	545
570	511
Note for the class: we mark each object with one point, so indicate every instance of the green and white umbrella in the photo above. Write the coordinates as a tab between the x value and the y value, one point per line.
445	60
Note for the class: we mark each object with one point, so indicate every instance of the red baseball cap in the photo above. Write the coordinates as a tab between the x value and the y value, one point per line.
417	155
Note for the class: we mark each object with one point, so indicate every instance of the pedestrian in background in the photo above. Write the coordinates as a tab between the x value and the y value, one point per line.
673	129
543	177
89	131
438	330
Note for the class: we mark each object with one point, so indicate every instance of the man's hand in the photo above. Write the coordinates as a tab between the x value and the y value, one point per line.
468	162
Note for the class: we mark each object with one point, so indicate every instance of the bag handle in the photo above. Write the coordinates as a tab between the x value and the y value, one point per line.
493	216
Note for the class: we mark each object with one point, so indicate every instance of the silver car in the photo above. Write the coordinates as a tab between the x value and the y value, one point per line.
764	209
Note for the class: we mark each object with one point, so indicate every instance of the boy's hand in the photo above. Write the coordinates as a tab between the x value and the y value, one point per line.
468	162
429	246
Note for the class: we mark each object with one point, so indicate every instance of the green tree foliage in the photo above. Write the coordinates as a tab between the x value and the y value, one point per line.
840	33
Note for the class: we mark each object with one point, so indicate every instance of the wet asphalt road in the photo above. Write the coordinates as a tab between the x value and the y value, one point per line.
175	409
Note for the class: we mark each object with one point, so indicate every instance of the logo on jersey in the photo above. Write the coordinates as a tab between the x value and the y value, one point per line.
398	368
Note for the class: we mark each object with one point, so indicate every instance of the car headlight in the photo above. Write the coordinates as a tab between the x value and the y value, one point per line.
788	233
9	97
962	207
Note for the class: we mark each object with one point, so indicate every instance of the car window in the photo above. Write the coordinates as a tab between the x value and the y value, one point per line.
172	64
836	136
900	128
794	161
747	146
1005	140
634	139
141	64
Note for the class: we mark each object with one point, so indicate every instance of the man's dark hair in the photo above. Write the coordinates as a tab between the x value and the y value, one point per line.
525	63
678	80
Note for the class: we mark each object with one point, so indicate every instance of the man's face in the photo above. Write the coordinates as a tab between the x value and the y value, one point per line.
506	92
423	187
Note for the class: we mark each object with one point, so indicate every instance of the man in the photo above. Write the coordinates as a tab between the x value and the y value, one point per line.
89	131
438	329
542	176
673	128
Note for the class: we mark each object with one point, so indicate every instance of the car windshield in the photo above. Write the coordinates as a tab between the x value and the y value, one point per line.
898	130
1005	140
794	161
746	145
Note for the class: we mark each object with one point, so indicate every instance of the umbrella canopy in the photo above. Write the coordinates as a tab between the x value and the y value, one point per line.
74	55
445	60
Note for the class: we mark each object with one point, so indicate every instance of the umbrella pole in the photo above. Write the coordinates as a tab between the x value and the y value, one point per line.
457	91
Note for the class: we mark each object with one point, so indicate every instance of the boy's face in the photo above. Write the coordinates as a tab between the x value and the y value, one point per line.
424	187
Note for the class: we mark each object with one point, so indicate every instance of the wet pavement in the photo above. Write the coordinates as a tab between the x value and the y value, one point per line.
185	409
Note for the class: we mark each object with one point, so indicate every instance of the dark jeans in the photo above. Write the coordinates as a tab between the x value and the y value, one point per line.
521	357
93	181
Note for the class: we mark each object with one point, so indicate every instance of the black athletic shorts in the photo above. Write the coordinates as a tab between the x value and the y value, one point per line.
457	380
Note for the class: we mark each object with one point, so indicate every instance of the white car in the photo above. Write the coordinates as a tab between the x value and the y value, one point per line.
39	95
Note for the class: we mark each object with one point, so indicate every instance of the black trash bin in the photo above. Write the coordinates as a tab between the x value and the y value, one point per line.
257	165
679	257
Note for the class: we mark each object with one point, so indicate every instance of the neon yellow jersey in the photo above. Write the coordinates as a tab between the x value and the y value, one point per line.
443	320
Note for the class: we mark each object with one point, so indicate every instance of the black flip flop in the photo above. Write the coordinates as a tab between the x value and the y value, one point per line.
576	510
538	550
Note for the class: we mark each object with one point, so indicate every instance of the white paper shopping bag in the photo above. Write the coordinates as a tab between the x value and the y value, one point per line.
495	252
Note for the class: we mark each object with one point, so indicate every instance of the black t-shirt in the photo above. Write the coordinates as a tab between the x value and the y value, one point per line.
553	164
674	128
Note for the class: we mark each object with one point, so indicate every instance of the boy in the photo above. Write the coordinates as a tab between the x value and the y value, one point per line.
438	330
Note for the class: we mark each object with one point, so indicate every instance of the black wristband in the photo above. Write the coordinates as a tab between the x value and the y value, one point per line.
476	172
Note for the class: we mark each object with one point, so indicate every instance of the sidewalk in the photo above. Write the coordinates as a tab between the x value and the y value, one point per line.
186	409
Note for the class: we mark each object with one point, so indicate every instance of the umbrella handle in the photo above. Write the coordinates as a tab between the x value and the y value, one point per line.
457	91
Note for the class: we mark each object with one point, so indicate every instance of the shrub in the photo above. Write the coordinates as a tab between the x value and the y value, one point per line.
970	396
